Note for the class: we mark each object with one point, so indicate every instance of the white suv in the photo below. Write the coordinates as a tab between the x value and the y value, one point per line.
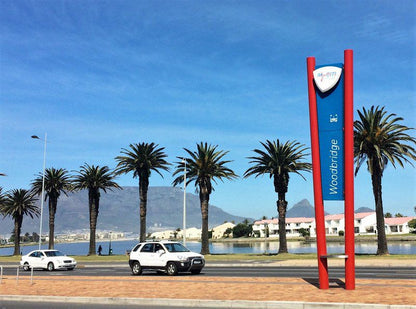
170	257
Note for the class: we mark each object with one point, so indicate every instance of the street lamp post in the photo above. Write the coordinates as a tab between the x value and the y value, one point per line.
43	188
110	251
184	203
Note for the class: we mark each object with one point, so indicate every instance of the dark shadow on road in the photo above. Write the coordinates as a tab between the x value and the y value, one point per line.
333	283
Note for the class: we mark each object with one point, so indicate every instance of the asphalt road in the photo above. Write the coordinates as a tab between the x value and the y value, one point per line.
233	271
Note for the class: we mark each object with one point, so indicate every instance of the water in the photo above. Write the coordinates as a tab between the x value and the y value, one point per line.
120	247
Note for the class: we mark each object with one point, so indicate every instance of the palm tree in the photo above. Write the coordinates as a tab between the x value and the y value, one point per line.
278	160
17	204
57	181
94	178
2	197
204	166
379	138
142	159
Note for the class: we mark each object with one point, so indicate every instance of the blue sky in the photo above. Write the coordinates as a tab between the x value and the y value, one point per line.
99	75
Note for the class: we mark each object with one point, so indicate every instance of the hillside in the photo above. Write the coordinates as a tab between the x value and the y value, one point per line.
119	211
301	209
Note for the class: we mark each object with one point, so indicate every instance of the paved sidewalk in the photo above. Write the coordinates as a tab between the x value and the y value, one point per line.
197	291
220	292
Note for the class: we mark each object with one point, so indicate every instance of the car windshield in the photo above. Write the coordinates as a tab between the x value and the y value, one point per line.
176	247
54	253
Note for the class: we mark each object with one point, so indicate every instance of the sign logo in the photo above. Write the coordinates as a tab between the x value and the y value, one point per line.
327	77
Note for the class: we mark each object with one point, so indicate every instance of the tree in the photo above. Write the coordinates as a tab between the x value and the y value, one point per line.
94	178
228	232
279	160
304	232
2	197
242	230
398	215
19	203
204	166
12	236
57	181
35	237
142	159
379	138
388	215
412	224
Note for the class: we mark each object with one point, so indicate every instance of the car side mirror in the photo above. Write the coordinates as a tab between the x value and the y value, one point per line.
160	252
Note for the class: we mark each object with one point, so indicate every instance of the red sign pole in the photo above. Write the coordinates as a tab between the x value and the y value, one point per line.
349	171
317	180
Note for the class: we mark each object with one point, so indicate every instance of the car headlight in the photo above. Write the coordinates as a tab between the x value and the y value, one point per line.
182	258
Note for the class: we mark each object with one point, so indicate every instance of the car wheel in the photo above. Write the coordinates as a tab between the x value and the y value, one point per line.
195	271
136	269
26	266
50	266
171	269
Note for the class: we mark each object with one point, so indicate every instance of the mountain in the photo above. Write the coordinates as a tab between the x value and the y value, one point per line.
301	209
119	211
364	209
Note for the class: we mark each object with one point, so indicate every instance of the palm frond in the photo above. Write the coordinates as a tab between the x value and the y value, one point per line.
204	166
142	159
19	203
278	160
379	138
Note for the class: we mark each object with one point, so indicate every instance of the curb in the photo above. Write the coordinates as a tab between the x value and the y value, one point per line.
199	303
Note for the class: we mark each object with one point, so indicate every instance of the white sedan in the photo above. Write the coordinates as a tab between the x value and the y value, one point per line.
47	259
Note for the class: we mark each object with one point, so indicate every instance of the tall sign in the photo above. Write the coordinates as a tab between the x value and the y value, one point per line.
329	81
330	89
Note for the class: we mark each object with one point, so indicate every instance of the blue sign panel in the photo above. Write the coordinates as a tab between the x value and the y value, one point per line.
330	108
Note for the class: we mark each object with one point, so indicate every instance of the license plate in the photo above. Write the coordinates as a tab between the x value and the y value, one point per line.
197	262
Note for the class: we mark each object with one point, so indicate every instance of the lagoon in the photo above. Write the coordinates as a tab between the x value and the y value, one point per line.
121	246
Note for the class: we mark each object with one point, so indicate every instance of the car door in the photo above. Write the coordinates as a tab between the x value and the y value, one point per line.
159	256
43	260
34	259
147	255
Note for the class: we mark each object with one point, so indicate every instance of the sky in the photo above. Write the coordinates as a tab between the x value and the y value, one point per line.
96	76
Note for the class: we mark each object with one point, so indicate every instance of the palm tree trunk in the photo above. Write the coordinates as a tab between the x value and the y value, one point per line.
204	200
381	232
52	211
93	221
281	209
17	229
143	188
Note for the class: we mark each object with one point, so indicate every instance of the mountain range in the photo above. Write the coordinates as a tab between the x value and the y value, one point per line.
119	211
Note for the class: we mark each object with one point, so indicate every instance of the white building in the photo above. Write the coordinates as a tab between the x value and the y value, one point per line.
293	225
169	234
364	223
191	233
218	231
398	225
